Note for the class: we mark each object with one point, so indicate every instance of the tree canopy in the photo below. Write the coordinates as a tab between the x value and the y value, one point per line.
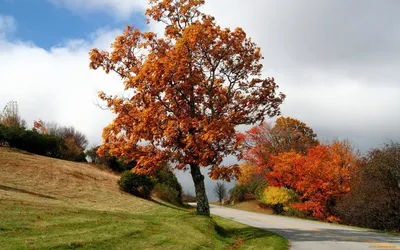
188	92
263	141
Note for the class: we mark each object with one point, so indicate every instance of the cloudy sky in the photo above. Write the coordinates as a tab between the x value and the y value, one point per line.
336	60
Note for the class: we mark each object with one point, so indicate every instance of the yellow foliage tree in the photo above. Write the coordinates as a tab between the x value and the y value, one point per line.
278	198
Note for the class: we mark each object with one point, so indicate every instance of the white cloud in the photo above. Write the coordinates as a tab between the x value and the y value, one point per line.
357	38
344	108
121	9
57	85
7	25
336	61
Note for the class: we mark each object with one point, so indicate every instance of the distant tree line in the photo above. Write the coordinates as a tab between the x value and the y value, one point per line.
48	139
53	140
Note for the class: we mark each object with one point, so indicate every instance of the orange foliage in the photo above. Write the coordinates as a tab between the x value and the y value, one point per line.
320	177
292	134
289	155
285	169
246	174
39	126
262	142
188	90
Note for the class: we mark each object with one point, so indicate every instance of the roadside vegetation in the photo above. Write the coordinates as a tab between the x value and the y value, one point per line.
289	171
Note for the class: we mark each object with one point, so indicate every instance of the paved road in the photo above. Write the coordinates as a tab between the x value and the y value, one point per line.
309	235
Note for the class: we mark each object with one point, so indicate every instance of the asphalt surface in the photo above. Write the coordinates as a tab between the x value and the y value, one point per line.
309	235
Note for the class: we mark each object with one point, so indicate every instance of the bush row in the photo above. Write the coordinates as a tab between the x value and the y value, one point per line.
32	141
35	142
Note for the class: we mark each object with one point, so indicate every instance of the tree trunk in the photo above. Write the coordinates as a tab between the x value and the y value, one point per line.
203	208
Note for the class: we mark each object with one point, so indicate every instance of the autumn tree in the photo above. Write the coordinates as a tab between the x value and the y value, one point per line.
321	177
246	175
188	92
75	142
77	137
263	141
292	134
249	183
10	116
286	169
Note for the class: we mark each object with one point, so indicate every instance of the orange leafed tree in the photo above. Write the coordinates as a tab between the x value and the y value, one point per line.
189	90
292	134
321	176
40	126
262	142
285	170
246	174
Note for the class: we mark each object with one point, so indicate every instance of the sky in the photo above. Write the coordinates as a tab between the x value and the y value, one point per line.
336	60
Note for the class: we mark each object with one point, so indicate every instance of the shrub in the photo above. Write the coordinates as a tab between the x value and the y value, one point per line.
278	198
136	184
165	176
81	158
250	191
75	142
167	193
294	212
31	141
117	165
259	192
238	193
109	161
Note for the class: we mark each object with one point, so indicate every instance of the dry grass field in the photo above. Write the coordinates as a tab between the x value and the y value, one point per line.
54	204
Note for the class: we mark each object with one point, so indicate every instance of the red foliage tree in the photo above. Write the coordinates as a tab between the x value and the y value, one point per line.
189	92
262	142
321	176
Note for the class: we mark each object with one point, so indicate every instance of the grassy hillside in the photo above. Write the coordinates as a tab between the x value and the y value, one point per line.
53	204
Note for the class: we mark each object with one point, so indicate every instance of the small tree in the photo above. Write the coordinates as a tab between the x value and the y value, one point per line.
247	174
220	191
78	138
188	92
10	116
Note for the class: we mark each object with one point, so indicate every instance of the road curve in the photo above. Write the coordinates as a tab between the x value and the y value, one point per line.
309	235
